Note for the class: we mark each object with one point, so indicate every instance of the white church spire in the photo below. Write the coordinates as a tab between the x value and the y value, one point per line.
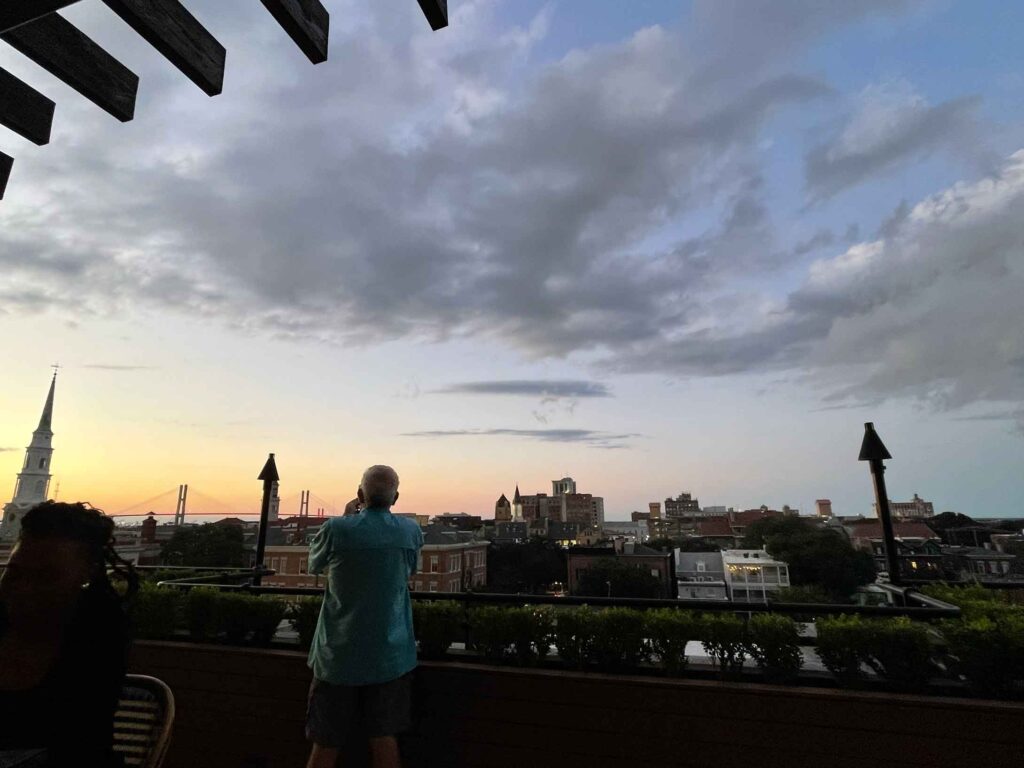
34	479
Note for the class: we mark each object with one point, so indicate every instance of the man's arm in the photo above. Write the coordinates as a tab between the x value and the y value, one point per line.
320	550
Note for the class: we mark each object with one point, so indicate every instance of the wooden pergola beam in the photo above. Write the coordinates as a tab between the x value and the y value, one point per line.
58	46
25	110
169	27
307	23
14	13
6	161
436	12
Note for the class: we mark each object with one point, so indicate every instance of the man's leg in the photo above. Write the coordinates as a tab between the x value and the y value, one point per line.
322	757
384	751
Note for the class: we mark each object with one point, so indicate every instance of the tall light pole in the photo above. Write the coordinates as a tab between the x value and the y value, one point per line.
270	478
873	451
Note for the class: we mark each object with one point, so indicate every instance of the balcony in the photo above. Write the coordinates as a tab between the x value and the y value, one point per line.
245	706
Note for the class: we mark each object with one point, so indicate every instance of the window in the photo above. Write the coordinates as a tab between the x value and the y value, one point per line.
655	572
433	587
700	566
453	586
42	463
273	563
455	563
419	561
433	565
302	565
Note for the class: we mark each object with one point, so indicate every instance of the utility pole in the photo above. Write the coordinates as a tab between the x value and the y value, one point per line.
873	451
270	478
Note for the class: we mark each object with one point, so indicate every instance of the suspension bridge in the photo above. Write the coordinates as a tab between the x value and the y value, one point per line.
185	501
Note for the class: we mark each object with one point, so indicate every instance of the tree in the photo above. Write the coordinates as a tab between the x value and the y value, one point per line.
206	545
816	557
531	567
609	577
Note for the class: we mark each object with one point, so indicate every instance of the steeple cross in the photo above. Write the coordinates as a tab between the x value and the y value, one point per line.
56	367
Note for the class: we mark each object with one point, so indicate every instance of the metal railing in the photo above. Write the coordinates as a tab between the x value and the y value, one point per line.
908	602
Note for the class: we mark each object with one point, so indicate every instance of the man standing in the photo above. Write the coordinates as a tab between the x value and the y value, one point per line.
364	650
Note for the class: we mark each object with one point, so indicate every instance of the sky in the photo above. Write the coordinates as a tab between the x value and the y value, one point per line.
656	246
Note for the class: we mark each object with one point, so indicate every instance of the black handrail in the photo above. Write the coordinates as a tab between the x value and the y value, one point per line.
926	608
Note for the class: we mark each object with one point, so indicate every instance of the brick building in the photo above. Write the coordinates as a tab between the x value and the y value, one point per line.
450	561
683	505
658	564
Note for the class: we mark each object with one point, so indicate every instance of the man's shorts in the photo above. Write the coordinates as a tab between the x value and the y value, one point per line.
336	714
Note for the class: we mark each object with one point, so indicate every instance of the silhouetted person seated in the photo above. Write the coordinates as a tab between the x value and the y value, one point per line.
364	650
63	638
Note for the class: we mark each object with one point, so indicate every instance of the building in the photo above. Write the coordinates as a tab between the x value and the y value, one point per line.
977	563
539	506
700	576
511	532
659	564
459	521
718	509
865	532
502	510
683	505
563	486
290	563
752	575
916	508
823	507
33	482
582	508
450	561
654	510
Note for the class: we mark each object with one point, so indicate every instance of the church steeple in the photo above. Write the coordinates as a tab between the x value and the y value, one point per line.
34	479
46	420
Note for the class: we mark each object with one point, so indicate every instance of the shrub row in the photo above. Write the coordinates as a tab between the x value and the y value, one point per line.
612	639
984	648
208	615
985	645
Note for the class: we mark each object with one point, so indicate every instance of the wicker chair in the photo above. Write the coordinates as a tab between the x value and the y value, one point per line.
143	722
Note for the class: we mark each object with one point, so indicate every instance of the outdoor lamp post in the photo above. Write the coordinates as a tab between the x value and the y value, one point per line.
873	451
269	477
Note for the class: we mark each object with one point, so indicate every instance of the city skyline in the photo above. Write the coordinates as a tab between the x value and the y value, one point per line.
648	247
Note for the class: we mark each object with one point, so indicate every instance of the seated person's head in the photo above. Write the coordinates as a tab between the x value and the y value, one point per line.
61	554
379	487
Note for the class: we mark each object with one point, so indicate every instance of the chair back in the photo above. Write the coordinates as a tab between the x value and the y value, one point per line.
143	721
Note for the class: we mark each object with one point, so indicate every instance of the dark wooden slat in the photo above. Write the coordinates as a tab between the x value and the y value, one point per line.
57	46
173	31
25	110
306	22
436	12
14	13
6	161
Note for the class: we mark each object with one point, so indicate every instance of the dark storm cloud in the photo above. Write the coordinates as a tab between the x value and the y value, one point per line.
543	388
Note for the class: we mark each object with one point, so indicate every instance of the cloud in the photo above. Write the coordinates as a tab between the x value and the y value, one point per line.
8	450
543	388
126	368
580	436
600	207
931	312
451	186
891	125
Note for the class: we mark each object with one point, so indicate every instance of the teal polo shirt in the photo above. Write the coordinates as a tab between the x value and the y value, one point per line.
364	634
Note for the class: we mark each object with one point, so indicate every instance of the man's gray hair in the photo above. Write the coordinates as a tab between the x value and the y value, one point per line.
379	484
